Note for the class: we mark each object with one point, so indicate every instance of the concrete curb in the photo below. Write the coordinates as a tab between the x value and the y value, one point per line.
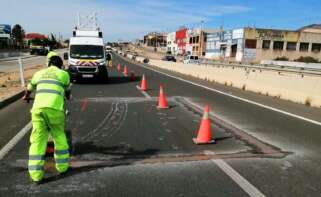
10	99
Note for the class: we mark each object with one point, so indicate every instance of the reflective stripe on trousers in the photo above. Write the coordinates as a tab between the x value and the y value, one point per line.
62	159
36	166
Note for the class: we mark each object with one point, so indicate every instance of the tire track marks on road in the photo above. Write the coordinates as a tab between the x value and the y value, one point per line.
115	122
110	124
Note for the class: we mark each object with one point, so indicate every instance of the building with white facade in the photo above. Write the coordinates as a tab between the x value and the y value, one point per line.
172	46
225	44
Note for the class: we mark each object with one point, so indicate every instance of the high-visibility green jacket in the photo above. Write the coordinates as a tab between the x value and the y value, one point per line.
50	85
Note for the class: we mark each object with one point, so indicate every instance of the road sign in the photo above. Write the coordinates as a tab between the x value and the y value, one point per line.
5	29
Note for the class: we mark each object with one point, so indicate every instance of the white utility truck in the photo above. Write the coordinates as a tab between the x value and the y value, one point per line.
86	57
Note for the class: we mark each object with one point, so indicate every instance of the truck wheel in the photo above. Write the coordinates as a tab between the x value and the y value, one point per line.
103	75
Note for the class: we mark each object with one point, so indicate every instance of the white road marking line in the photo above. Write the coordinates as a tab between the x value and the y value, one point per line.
144	93
250	189
238	98
4	151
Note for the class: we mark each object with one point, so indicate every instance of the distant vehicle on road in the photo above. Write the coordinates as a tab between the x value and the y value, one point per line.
86	57
38	50
108	49
191	59
169	58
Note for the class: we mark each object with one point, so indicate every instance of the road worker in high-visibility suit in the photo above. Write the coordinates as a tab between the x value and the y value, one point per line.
109	59
48	117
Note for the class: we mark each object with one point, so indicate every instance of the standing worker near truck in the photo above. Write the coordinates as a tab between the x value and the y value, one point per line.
52	85
109	59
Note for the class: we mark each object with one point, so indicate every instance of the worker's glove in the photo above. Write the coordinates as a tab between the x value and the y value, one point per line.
26	96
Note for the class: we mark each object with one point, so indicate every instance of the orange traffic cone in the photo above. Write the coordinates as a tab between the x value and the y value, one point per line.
162	102
132	76
143	85
125	71
204	133
118	67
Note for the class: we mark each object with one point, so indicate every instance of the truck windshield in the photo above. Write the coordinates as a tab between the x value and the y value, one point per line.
87	51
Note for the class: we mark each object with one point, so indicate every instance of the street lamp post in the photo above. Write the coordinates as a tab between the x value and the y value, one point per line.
202	42
155	48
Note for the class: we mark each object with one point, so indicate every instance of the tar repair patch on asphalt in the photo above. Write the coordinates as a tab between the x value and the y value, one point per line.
127	131
129	128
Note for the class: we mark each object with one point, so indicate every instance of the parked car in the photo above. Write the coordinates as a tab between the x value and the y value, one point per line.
146	60
169	58
191	59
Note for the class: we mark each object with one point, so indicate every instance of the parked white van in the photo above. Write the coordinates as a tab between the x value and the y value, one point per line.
191	59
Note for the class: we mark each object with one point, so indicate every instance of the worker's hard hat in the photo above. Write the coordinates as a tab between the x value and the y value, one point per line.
50	54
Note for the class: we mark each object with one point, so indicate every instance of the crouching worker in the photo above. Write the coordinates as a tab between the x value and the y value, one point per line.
51	85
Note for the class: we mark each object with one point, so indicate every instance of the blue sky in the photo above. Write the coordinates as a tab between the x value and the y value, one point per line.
130	19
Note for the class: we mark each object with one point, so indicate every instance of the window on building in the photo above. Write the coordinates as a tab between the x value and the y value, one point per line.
304	46
291	46
191	40
278	45
316	47
250	44
196	48
266	44
197	39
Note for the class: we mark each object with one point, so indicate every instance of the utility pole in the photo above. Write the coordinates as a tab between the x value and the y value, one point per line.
155	49
202	40
78	22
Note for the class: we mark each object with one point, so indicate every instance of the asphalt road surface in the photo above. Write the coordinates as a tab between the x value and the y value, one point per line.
124	146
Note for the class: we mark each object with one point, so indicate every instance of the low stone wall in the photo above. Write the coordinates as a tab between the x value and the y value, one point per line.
10	54
288	86
293	64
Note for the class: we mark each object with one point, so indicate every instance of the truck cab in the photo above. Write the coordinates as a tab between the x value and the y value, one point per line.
86	57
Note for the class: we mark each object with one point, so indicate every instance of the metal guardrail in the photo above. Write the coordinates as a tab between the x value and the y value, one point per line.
247	67
278	68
